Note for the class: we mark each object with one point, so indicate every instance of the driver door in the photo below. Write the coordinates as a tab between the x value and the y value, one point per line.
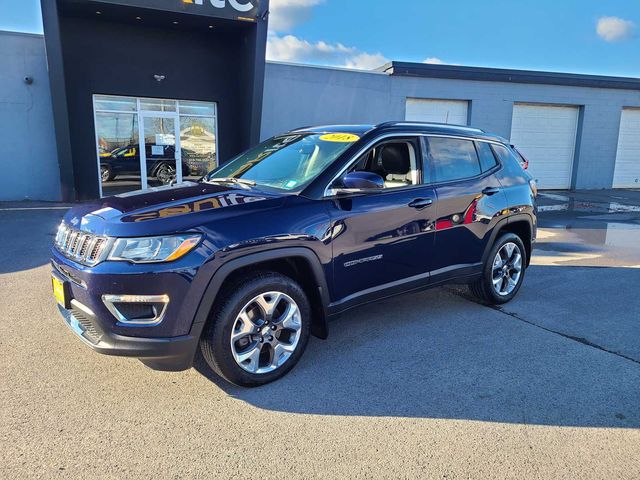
384	240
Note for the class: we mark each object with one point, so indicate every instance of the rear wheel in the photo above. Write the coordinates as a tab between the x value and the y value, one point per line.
258	331
106	174
503	272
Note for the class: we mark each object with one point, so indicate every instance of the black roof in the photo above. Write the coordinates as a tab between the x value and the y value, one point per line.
508	75
356	129
409	127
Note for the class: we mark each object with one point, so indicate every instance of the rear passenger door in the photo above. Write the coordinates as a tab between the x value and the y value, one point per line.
470	201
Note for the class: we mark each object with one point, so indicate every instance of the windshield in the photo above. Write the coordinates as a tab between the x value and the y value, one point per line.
287	162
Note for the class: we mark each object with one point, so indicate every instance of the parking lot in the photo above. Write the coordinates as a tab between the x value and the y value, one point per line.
428	385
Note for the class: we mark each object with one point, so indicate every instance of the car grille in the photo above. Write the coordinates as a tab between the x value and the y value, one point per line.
82	247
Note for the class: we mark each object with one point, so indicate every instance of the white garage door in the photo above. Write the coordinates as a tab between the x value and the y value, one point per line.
627	172
546	135
439	111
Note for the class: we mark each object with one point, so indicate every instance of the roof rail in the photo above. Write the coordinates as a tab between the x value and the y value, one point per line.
431	124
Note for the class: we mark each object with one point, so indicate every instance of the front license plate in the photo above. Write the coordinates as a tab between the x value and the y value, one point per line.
59	292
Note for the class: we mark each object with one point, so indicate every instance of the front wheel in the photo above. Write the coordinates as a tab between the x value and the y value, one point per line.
258	330
503	272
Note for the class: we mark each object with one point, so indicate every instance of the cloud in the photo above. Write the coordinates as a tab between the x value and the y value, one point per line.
614	29
366	61
284	15
289	48
434	61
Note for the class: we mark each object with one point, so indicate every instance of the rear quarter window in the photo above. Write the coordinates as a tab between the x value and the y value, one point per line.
505	155
487	158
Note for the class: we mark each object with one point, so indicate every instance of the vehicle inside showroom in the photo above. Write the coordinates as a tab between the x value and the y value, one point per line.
148	92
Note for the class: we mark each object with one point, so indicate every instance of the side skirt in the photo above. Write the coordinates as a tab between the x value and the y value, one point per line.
460	274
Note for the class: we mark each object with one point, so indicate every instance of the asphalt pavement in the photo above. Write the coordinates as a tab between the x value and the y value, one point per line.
427	385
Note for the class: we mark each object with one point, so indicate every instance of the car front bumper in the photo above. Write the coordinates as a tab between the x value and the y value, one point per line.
170	344
169	354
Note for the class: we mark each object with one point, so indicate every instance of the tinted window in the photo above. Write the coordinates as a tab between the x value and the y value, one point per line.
287	162
505	155
487	159
453	159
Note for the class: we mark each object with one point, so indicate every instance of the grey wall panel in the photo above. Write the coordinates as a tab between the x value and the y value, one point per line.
28	158
301	95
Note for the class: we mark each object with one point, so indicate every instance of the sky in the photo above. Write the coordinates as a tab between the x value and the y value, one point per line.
581	36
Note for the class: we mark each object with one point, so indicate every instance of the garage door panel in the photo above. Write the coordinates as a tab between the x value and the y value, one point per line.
438	111
627	169
547	137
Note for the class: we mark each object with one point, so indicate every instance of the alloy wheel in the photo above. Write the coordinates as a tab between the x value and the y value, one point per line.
166	174
266	332
507	269
104	174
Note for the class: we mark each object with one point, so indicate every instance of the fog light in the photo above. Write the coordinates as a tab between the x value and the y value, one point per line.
137	310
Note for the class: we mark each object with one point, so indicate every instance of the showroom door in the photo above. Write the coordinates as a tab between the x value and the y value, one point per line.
546	135
160	153
627	170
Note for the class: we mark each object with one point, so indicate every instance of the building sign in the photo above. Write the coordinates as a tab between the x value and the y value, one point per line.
238	5
232	9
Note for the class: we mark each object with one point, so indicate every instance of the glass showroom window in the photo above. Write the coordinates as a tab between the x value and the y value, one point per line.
149	142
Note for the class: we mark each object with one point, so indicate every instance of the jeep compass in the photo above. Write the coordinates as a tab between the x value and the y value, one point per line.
262	252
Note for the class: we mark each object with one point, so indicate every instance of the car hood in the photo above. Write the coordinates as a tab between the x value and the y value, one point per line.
166	210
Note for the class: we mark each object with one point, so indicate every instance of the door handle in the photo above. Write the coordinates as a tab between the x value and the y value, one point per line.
421	203
490	191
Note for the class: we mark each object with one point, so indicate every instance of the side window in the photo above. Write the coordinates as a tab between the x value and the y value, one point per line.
505	155
396	162
487	159
453	159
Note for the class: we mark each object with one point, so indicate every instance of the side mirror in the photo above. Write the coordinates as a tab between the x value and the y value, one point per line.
358	182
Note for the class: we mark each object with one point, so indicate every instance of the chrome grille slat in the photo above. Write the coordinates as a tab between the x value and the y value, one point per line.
67	240
65	236
73	245
97	248
82	247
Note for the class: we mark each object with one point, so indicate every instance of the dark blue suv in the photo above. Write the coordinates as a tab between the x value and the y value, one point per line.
263	251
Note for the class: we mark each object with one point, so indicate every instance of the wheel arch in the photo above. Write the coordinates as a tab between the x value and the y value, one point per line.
521	225
300	263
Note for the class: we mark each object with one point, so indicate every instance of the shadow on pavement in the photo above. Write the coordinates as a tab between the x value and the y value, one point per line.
437	355
26	235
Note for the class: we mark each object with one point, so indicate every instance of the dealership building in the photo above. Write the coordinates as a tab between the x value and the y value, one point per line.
121	95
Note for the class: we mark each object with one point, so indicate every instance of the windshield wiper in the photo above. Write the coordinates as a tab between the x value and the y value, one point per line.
239	181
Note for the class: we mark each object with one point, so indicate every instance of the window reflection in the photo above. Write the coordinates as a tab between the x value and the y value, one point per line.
160	150
198	144
122	153
117	135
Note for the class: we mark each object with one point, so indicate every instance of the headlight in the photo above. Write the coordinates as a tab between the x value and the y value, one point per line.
153	249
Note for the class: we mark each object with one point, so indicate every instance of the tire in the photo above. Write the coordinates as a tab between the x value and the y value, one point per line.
165	173
485	289
239	312
106	174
